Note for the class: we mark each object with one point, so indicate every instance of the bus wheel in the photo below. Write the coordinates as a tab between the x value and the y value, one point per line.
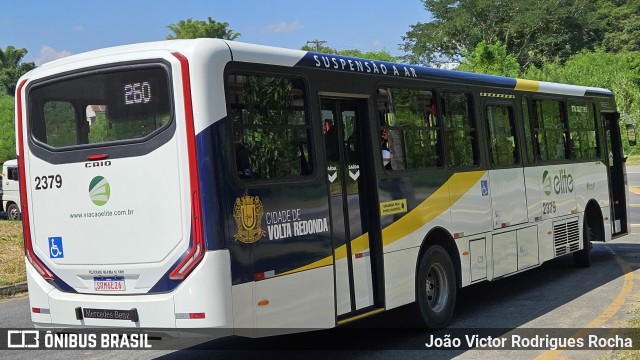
13	211
436	287
582	258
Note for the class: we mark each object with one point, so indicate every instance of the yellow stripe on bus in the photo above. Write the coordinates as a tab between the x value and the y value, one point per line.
446	195
441	200
527	85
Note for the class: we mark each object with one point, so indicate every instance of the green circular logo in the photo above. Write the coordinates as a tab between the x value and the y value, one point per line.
99	190
546	183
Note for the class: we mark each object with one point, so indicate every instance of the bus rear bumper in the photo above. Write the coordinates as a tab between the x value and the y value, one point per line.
200	305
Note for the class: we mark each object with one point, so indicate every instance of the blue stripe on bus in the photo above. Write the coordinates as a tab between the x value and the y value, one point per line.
206	140
363	66
209	201
166	284
62	286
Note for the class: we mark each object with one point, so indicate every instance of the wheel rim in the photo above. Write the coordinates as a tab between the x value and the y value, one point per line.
436	288
13	213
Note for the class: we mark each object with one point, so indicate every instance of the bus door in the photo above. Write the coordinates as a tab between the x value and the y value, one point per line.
506	178
512	250
354	282
615	165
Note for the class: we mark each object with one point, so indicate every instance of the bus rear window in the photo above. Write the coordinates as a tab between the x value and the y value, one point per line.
100	107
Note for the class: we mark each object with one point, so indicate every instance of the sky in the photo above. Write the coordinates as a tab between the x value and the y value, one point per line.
53	29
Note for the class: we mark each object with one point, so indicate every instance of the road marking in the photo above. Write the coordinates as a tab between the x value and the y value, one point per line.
604	316
634	205
635	189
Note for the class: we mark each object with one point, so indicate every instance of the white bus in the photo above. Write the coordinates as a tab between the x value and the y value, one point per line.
10	189
203	185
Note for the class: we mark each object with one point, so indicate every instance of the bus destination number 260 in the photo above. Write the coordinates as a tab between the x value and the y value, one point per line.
48	182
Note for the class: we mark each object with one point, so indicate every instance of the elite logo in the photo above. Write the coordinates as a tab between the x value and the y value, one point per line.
560	183
99	190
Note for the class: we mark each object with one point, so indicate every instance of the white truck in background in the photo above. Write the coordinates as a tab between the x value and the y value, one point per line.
11	189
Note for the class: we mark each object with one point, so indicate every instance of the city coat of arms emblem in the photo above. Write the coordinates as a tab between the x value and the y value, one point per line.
248	213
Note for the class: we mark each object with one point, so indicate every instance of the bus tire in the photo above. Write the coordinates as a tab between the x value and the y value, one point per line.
582	258
13	211
436	287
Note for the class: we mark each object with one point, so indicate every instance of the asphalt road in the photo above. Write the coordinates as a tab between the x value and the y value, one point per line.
554	295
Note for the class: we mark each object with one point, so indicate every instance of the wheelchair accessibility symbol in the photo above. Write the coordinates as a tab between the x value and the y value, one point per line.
485	187
55	248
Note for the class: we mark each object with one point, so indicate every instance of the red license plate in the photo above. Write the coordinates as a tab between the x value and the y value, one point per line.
109	283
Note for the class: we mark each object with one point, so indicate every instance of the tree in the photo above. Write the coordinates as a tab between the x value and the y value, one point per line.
7	129
619	73
190	29
619	21
11	68
492	59
532	31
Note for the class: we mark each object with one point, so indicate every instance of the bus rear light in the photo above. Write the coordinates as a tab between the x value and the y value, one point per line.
37	310
40	268
26	226
97	157
196	252
186	316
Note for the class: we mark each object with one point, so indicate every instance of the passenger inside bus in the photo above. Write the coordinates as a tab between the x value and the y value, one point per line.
386	153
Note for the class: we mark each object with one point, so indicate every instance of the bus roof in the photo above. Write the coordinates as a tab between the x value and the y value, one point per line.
245	52
12	162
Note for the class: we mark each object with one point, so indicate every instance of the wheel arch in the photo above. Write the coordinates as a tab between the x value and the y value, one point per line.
593	217
440	236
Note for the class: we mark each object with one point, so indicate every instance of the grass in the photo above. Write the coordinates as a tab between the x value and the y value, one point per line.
12	269
633	159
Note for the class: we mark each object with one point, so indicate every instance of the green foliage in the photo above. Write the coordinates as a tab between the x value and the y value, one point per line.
620	23
11	68
492	59
532	31
619	73
60	118
7	129
190	29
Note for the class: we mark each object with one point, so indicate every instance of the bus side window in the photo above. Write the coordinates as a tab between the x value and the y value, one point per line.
584	130
459	129
502	137
409	130
270	126
243	161
550	130
528	136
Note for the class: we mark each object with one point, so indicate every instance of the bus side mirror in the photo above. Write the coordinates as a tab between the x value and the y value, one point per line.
631	134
